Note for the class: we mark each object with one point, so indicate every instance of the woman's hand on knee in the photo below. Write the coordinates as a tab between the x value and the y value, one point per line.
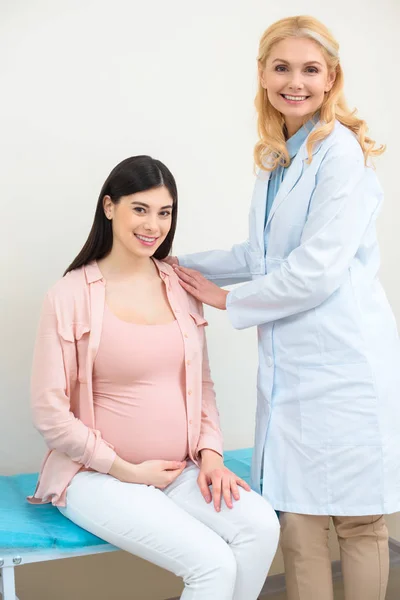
224	482
158	473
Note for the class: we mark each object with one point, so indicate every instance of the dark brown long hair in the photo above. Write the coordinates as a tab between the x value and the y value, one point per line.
132	175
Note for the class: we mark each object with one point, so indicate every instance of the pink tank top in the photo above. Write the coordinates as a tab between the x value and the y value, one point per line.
139	390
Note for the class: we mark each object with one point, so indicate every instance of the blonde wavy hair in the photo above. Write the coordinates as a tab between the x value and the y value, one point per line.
270	150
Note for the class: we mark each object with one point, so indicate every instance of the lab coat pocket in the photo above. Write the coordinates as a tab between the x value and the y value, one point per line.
338	405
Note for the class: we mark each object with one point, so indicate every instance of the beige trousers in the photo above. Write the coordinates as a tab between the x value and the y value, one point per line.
364	553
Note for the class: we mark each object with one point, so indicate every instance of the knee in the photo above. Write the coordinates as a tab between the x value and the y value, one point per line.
263	527
268	529
293	536
302	534
361	527
290	533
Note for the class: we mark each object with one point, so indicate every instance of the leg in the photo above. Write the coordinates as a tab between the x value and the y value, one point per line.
250	528
364	551
143	521
7	583
306	556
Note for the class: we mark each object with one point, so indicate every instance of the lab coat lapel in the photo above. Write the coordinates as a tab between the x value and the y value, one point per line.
293	175
259	206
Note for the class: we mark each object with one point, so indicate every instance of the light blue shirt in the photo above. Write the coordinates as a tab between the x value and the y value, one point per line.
293	145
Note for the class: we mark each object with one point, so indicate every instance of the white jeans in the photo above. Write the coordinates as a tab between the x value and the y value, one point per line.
220	556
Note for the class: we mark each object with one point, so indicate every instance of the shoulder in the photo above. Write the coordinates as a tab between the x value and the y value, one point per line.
342	142
69	301
192	305
341	163
340	158
67	290
70	283
164	267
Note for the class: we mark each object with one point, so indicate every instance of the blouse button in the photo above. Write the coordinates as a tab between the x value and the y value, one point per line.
189	392
188	362
185	335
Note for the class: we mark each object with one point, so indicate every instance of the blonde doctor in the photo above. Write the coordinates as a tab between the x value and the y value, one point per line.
327	443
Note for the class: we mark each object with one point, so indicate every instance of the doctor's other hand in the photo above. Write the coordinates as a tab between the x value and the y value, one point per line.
200	288
172	261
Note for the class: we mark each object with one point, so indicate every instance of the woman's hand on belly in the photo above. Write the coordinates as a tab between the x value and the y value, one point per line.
224	482
159	473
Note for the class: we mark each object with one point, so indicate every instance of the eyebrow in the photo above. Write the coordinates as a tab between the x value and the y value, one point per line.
311	62
147	206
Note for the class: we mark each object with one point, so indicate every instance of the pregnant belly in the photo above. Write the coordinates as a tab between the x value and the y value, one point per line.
141	432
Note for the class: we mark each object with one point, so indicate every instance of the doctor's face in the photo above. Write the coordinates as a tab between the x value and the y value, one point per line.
296	78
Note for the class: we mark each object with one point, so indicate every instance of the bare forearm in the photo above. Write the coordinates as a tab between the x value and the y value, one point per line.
123	470
208	455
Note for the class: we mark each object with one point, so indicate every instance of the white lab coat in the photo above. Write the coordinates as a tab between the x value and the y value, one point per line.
327	435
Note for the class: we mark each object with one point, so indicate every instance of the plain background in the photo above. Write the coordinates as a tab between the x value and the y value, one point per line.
87	83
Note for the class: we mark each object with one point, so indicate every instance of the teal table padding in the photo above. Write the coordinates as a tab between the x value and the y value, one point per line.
42	526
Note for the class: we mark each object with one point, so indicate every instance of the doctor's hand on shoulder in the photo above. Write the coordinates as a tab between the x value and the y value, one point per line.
200	288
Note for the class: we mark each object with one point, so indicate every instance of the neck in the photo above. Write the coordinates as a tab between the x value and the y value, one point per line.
120	264
292	127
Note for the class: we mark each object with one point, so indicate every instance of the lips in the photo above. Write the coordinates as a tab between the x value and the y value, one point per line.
146	240
294	99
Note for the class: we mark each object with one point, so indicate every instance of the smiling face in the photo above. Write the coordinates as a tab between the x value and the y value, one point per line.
140	222
296	78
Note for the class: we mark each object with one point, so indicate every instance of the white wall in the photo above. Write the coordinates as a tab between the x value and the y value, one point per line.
86	83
